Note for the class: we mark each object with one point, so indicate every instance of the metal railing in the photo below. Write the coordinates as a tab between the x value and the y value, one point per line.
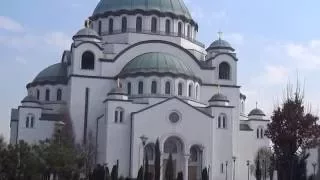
160	33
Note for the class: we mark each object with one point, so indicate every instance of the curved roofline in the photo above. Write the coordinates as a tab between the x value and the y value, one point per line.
164	42
85	42
145	13
223	53
42	83
86	36
220	47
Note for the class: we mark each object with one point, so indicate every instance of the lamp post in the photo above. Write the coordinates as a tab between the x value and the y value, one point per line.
226	170
143	139
248	164
234	167
314	170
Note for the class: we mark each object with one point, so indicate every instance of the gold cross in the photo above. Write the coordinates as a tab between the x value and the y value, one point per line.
87	23
218	88
257	105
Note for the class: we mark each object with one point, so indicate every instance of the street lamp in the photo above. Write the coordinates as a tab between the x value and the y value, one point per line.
314	170
144	140
248	164
234	167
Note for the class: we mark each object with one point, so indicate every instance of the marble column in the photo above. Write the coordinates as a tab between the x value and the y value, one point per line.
186	166
161	166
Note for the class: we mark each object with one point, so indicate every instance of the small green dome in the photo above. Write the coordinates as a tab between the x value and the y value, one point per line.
220	44
176	7
256	112
87	32
56	73
156	63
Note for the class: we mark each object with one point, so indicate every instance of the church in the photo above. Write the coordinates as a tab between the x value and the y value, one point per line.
136	73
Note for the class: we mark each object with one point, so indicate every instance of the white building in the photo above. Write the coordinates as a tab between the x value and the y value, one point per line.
137	69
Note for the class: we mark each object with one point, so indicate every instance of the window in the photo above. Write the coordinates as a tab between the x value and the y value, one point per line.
100	28
154	25
150	151
167	26
197	92
129	88
47	95
260	133
110	26
59	95
222	121
124	25
38	94
118	115
180	29
168	88
224	71
139	24
221	168
154	87
190	90
30	121
193	154
87	61
170	146
140	87
189	31
180	89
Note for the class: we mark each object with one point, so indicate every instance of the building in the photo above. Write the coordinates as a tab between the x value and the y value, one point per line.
136	70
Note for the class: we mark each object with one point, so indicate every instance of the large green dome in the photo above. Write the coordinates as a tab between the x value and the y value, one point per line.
54	74
156	63
176	7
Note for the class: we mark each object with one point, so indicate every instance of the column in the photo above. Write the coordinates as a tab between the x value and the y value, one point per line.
186	167
161	165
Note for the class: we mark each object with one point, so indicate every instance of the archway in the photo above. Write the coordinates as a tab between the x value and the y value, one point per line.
195	163
174	146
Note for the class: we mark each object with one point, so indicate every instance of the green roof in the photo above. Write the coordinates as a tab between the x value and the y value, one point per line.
176	7
156	63
56	73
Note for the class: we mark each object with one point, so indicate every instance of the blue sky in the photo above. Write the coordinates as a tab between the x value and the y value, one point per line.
276	41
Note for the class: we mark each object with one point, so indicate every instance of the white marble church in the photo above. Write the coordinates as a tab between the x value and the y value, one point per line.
135	70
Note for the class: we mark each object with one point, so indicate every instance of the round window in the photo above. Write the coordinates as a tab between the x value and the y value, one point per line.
174	117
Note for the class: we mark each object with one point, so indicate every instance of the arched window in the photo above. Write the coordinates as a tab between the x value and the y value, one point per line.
180	89
129	88
87	61
224	71
154	25
139	24
124	24
150	151
222	121
118	115
100	28
190	90
197	91
221	168
47	95
167	26
189	31
110	26
260	133
59	95
140	87
180	29
154	87
194	153
30	121
38	94
170	147
168	88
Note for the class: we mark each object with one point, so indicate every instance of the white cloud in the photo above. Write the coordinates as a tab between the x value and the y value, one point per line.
9	24
273	75
58	39
21	60
235	38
